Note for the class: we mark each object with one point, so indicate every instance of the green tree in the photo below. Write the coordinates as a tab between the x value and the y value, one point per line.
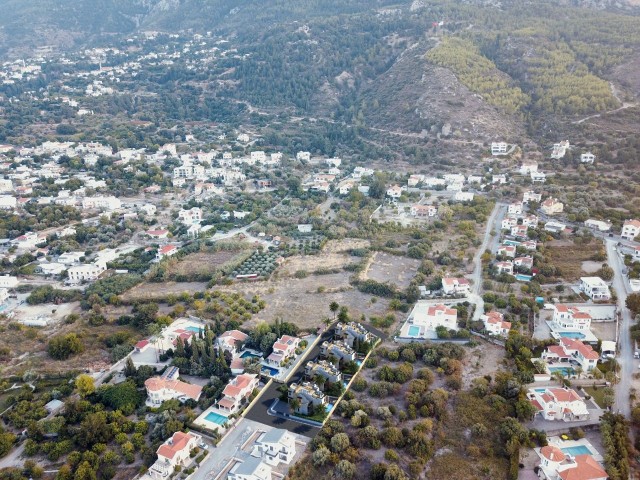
85	385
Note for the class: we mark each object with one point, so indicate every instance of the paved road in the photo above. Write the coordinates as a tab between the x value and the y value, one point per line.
495	219
625	350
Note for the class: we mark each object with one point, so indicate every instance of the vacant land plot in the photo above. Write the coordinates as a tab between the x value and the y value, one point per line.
569	258
385	267
203	265
485	359
305	301
28	346
335	254
158	291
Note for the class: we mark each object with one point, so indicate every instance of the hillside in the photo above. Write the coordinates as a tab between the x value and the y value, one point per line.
482	69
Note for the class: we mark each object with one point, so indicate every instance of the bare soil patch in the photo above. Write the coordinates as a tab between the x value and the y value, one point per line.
385	267
484	359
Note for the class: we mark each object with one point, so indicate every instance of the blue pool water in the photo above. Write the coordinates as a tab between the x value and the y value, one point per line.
540	390
216	418
249	355
194	329
564	370
578	450
414	331
3	307
328	407
523	278
269	370
577	335
513	243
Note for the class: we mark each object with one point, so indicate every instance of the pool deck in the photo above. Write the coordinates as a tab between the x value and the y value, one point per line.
583	442
203	422
556	332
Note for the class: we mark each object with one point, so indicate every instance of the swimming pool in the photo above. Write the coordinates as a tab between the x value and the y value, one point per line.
523	278
191	328
571	335
248	354
565	370
216	418
513	243
328	407
269	370
414	331
577	450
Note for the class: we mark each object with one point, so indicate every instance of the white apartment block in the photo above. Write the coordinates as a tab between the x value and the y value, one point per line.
8	202
87	272
499	148
276	446
108	203
595	288
630	229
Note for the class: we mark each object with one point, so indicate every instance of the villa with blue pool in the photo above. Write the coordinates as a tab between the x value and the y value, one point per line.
571	322
558	404
425	318
570	459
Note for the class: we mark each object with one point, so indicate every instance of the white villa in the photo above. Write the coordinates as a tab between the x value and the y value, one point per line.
570	318
572	351
191	216
339	350
561	404
426	317
351	331
309	395
168	387
556	465
237	392
499	148
172	453
230	340
495	324
90	271
551	206
630	229
283	349
324	369
455	286
251	468
276	446
531	196
595	288
598	225
560	149
587	158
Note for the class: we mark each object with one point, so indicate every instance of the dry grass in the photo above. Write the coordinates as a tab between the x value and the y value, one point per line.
158	291
28	347
569	258
205	264
305	301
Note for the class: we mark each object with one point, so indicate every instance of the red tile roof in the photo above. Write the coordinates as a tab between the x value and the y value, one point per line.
552	453
178	442
586	469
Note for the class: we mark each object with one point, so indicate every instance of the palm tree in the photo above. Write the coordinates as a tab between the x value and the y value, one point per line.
578	371
334	307
558	375
294	403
